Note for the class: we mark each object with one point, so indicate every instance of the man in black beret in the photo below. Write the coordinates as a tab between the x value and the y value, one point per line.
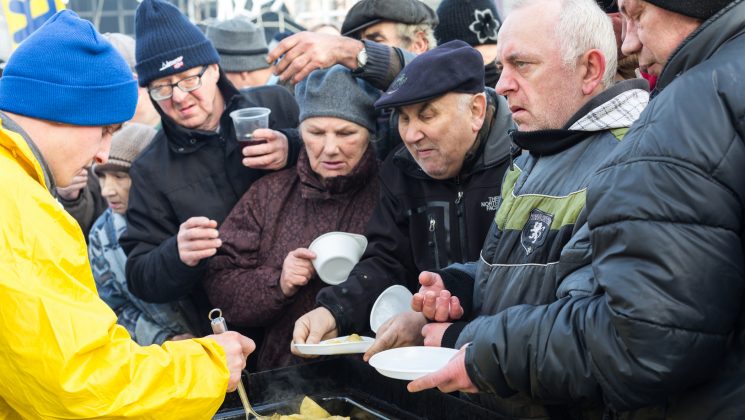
438	192
406	24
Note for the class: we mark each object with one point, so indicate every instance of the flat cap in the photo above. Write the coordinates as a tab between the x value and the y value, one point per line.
369	12
453	66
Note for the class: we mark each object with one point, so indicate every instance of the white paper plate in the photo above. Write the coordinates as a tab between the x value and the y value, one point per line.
328	347
409	363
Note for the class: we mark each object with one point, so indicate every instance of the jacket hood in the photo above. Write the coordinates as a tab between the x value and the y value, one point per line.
17	142
703	42
495	151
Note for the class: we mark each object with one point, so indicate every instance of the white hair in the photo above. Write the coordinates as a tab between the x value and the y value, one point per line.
583	26
408	32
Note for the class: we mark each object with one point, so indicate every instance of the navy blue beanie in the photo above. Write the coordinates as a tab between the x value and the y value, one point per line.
167	43
67	72
451	67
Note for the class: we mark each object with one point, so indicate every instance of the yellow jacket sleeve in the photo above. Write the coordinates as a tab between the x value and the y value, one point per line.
62	355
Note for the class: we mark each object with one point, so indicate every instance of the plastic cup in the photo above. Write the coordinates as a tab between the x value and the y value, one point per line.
246	121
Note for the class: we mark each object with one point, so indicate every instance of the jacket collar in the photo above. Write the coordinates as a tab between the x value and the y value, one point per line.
493	142
186	140
703	42
313	187
26	152
618	106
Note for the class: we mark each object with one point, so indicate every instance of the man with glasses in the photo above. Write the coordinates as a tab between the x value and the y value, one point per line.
187	181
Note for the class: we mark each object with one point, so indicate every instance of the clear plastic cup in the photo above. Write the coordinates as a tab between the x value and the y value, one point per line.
246	121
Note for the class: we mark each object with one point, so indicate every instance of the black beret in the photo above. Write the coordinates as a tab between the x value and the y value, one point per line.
369	12
451	67
694	8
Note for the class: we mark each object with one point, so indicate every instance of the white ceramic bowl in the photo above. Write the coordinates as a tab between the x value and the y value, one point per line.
409	363
391	302
336	255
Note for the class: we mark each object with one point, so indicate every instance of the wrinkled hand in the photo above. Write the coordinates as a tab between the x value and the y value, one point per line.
271	155
312	328
433	333
452	377
72	191
197	239
296	271
237	348
434	301
304	52
402	330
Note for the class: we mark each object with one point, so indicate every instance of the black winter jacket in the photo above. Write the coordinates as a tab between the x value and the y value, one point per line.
186	173
423	224
660	331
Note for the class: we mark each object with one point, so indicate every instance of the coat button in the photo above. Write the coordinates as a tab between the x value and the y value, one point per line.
193	141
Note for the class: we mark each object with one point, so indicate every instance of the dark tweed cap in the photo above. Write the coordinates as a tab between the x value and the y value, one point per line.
369	12
451	67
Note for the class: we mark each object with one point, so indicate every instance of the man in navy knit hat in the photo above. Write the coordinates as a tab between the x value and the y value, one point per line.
187	181
62	354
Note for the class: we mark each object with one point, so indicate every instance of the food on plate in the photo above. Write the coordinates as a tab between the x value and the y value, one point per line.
309	410
354	338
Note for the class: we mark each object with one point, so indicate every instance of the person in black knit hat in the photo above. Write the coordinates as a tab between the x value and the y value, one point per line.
475	22
187	181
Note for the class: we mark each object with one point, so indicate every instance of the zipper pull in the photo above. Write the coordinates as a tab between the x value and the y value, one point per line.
431	223
460	196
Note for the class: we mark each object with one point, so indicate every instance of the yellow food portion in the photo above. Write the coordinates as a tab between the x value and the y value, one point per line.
353	338
309	410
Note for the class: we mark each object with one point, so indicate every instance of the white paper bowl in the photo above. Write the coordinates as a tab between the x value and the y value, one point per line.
391	302
409	363
336	255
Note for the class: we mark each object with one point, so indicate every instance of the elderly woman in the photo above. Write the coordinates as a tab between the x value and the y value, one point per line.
262	275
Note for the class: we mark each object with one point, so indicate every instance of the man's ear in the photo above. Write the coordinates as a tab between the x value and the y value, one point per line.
592	65
478	111
420	44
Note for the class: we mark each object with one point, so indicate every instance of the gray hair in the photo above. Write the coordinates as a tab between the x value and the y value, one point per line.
583	26
407	33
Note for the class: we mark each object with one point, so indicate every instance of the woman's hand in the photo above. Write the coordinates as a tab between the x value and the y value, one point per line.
296	271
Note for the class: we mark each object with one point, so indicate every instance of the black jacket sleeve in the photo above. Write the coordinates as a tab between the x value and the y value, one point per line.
154	270
666	279
386	261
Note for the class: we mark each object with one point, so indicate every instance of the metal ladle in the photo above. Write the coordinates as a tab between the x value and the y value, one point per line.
218	327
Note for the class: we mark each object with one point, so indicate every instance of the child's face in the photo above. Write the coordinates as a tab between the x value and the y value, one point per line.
115	189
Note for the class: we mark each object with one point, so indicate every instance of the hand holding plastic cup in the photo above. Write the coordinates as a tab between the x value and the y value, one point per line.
246	121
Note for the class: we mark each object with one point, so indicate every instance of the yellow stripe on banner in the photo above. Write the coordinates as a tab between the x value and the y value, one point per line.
25	16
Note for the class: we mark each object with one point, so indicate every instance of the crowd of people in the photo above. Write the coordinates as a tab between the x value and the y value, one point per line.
558	188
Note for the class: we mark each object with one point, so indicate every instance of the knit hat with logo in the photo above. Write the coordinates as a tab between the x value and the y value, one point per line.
167	43
67	72
126	144
699	9
473	21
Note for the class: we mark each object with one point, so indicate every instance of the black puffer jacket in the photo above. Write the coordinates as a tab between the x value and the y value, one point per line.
186	173
422	223
660	331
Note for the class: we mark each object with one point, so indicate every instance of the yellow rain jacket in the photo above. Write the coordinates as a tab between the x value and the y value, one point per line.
62	355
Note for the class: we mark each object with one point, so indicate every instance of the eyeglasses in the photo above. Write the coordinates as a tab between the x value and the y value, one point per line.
187	84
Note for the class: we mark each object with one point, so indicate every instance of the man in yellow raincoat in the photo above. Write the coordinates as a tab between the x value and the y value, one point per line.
62	355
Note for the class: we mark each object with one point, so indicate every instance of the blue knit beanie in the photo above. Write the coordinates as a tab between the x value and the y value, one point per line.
167	43
67	72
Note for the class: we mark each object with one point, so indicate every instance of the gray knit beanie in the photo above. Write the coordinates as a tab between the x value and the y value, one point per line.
334	92
699	9
126	144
